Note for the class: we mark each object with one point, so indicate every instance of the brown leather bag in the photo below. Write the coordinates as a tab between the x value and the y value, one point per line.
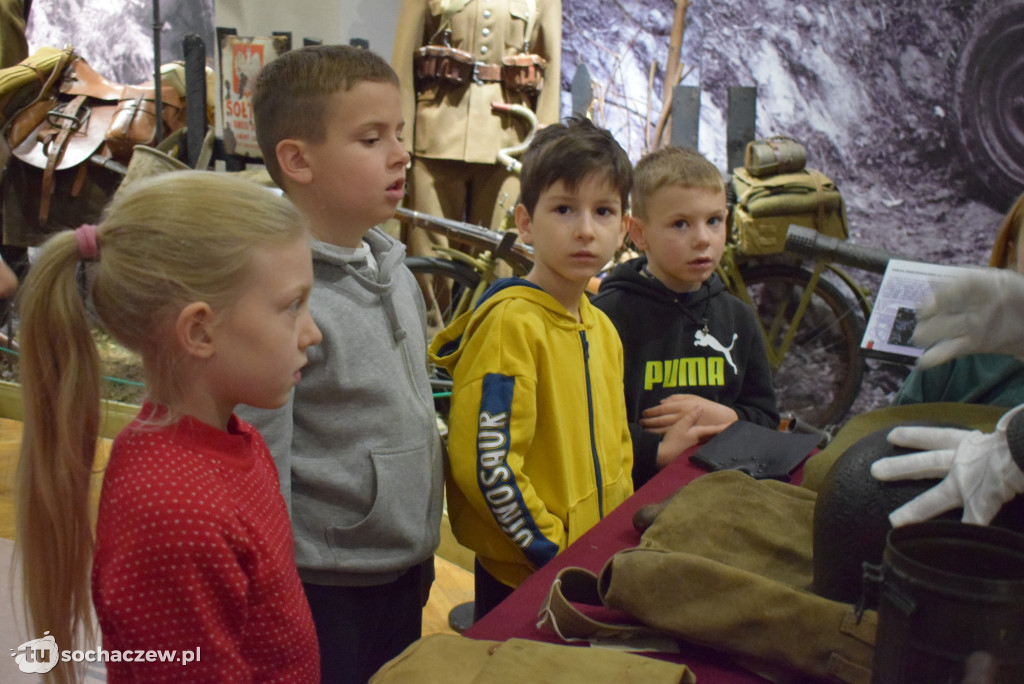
134	119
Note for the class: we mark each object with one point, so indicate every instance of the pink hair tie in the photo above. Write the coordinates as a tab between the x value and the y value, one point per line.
85	236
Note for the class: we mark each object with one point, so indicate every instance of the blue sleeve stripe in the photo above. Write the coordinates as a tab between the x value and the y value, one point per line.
496	479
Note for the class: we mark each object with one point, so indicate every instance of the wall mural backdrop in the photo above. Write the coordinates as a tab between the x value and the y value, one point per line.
915	110
876	90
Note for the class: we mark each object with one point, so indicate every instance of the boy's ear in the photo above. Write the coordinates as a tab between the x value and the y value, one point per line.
293	160
524	224
624	229
636	232
194	330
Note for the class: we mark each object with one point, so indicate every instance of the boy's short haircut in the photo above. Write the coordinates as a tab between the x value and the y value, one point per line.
291	93
570	152
671	166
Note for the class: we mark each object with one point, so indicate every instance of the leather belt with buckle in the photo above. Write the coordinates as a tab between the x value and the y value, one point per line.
486	73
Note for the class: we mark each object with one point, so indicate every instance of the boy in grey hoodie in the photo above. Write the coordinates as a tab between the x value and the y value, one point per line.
357	447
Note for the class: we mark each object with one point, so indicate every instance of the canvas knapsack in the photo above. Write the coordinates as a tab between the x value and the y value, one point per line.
766	207
30	79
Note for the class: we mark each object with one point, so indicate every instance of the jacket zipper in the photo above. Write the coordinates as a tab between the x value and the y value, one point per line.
590	415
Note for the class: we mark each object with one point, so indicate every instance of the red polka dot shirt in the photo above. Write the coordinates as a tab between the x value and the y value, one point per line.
194	554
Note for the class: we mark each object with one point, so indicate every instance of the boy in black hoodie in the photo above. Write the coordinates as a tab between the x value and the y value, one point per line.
695	360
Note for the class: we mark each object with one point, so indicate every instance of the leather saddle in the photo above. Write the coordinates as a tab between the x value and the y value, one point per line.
87	120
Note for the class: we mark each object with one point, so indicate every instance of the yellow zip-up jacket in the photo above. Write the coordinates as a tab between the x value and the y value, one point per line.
538	439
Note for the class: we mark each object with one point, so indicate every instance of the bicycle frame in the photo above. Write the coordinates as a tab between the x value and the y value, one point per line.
517	254
729	270
485	264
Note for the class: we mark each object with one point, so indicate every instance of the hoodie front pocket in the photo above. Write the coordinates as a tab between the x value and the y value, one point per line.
400	514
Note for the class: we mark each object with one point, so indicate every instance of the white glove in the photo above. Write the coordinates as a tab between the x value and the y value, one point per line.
980	312
979	470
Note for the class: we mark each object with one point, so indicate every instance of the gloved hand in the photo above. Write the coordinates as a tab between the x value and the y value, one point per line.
979	470
978	313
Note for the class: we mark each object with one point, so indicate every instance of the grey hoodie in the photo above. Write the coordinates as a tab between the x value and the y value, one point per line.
357	447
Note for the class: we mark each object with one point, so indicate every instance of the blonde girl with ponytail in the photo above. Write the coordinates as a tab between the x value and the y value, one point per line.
207	278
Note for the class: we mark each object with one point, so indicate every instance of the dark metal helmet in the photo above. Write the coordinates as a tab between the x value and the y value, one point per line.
851	515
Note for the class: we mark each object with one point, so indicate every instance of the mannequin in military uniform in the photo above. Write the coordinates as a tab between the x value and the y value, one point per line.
496	46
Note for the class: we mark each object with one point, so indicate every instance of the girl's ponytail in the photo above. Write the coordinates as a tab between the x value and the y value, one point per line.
60	376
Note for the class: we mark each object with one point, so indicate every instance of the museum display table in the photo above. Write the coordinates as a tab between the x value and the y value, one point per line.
516	616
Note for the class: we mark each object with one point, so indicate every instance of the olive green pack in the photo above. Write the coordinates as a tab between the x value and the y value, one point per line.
33	77
766	207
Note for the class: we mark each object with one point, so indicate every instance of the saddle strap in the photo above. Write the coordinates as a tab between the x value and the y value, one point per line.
558	614
55	74
54	152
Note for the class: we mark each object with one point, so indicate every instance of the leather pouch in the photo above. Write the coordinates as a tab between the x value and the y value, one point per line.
523	73
434	64
758	451
134	120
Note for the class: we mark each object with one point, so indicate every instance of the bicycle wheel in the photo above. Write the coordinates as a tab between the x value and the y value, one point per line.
818	377
447	287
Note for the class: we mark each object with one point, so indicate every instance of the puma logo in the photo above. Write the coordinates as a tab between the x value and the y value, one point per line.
703	339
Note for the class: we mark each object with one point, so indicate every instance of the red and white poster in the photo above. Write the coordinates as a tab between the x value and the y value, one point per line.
241	60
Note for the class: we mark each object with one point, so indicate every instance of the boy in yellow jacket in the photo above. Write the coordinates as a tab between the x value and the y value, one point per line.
539	444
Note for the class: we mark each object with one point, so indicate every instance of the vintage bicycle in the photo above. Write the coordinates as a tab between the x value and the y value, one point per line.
812	312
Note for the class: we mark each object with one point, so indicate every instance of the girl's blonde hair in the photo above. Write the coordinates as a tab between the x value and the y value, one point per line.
163	242
1008	237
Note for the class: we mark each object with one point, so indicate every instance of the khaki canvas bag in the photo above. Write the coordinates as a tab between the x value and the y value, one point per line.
451	659
727	564
767	206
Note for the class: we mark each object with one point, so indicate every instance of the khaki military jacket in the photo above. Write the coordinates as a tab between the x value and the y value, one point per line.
456	122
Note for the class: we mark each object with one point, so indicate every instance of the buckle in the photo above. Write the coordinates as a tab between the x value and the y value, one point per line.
58	118
486	73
